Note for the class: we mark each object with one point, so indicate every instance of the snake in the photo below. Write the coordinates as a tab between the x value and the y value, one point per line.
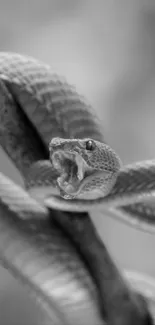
52	135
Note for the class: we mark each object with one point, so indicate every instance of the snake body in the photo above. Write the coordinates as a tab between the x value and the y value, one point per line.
37	97
35	107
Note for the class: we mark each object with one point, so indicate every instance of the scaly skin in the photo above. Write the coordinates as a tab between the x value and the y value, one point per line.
42	256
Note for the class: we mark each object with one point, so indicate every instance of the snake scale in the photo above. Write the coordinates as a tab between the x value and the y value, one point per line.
47	241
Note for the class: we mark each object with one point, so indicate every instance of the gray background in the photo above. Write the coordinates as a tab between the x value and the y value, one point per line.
107	49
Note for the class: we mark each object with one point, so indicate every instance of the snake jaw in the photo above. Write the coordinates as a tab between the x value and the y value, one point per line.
70	166
74	172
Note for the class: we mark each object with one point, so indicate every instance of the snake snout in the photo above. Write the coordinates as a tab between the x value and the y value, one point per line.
69	165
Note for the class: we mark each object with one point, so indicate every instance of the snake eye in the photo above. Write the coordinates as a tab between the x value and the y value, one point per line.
90	145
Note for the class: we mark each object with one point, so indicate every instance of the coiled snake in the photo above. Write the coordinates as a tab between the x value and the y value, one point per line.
43	117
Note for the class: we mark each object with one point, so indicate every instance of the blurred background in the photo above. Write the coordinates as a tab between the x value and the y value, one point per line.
107	49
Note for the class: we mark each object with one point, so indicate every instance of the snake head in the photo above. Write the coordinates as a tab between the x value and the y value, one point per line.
87	168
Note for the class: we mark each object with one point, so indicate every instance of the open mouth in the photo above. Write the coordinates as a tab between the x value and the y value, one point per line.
73	170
